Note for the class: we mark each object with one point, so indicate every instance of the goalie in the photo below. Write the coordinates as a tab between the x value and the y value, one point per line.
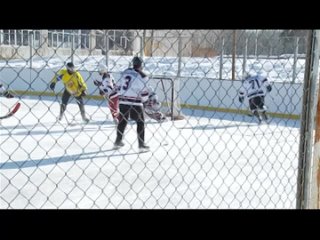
152	108
109	90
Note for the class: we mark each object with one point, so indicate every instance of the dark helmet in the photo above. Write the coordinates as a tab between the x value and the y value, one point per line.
70	66
137	62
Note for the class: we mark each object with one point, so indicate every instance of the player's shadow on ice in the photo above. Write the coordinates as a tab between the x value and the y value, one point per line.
65	158
30	129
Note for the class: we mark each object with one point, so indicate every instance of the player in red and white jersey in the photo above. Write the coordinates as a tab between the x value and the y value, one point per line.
108	89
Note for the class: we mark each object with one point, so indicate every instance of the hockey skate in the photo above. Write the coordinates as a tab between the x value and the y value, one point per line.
85	120
143	148
265	117
118	145
257	115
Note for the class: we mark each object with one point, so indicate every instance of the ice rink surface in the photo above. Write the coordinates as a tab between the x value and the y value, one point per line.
208	160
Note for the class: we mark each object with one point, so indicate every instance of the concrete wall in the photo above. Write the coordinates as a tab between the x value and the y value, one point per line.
285	98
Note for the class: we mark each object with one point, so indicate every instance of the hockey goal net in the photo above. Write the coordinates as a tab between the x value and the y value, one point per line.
164	87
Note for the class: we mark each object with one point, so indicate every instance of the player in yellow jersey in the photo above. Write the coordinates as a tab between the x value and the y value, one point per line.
74	85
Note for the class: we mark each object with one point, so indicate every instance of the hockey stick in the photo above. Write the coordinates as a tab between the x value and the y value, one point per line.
13	111
242	111
16	95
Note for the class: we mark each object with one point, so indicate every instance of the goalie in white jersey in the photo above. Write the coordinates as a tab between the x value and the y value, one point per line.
133	92
255	88
152	107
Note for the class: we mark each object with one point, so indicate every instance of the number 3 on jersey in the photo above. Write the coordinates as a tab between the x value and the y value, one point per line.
126	84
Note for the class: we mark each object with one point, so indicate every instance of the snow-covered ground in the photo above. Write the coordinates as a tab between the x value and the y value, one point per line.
209	160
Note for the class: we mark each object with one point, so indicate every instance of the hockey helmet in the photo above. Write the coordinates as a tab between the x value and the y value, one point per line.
246	75
137	62
102	69
70	67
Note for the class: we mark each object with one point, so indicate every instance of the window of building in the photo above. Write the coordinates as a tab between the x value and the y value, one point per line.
20	37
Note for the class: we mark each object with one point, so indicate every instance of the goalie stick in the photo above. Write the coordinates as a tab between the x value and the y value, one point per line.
13	111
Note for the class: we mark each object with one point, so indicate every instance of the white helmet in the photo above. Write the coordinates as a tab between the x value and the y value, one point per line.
102	69
246	75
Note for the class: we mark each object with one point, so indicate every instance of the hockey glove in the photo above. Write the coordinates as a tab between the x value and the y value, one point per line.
241	99
97	83
269	88
101	92
52	86
84	93
8	95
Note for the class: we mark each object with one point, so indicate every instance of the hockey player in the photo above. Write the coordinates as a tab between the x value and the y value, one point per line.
108	89
255	87
133	91
4	92
74	85
152	107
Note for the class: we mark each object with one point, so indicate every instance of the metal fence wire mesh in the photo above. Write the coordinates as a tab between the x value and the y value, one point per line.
210	152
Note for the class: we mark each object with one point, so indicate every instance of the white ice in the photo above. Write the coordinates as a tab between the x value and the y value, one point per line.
209	160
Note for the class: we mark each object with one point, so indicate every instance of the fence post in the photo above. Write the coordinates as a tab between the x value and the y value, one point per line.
1	37
307	121
315	186
151	43
142	44
31	46
72	46
106	39
221	58
295	59
245	56
234	49
256	45
179	53
177	80
31	55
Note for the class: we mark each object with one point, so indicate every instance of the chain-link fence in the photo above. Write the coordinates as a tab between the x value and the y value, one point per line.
210	152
